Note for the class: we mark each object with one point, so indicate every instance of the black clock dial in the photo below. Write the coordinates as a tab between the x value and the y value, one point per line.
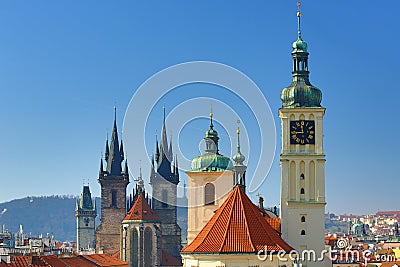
302	132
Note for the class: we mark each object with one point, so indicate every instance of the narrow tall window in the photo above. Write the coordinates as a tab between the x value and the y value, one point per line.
209	194
303	232
148	248
302	191
134	247
114	198
302	176
303	218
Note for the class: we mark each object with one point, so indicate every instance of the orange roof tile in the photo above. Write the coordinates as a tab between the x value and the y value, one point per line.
141	210
104	260
169	260
275	223
25	261
78	261
237	227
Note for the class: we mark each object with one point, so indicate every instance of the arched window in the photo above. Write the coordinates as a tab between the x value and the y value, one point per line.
303	218
303	232
164	197
134	247
302	191
148	248
209	194
302	176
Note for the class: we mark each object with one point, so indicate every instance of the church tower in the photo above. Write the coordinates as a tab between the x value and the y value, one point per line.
302	158
85	214
164	179
113	181
209	182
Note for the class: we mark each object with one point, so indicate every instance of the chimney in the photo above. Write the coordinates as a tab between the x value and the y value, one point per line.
261	202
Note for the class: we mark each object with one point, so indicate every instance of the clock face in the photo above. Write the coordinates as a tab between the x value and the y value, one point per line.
302	132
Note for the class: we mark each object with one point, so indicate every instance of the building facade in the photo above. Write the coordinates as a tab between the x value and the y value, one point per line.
85	214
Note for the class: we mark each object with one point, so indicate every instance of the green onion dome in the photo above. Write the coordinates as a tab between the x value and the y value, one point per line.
210	162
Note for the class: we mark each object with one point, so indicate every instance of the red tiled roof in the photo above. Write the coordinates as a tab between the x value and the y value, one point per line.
141	211
237	227
104	260
275	223
25	261
78	261
169	260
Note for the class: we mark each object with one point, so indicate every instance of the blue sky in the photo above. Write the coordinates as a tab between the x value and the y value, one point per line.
63	65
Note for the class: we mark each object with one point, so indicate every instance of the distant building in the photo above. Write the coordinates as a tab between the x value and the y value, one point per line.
85	214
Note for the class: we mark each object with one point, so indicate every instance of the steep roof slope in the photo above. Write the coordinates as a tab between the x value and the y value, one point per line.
237	226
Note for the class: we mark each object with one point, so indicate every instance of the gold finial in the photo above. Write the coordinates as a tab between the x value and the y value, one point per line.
211	111
298	19
238	129
298	9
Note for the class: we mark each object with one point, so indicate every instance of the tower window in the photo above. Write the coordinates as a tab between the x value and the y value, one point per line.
303	232
209	194
164	196
303	219
302	191
114	198
302	176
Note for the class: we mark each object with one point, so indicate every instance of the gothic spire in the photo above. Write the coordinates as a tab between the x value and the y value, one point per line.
107	149
115	158
164	141
157	149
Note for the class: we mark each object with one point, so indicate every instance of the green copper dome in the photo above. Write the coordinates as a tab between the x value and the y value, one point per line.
299	45
210	162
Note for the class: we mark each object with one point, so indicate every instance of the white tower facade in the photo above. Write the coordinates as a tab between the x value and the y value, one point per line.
302	160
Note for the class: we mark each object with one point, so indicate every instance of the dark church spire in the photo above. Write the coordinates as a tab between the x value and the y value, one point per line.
115	158
164	156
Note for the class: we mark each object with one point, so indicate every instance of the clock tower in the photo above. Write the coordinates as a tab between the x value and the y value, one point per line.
302	159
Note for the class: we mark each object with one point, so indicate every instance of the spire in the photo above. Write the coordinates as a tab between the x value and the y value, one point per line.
239	170
298	20
107	148
164	141
139	180
157	148
238	158
170	153
126	170
121	150
211	138
211	118
101	165
301	93
115	158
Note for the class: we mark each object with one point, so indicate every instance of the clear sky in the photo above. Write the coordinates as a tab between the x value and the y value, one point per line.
63	64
